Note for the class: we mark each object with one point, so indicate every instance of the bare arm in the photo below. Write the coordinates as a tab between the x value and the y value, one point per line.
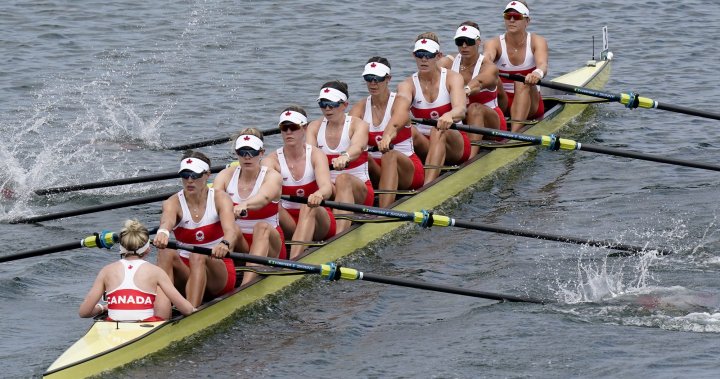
224	208
89	307
322	178
455	83
171	213
399	119
271	161
312	132
540	52
492	49
486	78
172	293
223	179
358	109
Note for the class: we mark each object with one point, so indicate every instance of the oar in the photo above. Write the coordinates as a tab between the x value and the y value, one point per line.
428	219
93	209
119	182
104	239
555	143
630	100
219	140
331	271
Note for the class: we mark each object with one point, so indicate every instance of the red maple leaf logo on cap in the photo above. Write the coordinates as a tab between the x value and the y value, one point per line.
423	41
327	90
287	113
513	3
464	28
188	161
247	138
373	64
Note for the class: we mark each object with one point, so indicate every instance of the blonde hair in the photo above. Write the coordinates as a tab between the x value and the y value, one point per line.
247	131
134	235
428	35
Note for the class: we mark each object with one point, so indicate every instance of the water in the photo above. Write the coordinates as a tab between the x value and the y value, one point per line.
93	91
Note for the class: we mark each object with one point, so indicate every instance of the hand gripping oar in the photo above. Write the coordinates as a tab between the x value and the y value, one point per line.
553	142
218	141
118	182
332	271
630	100
428	219
93	209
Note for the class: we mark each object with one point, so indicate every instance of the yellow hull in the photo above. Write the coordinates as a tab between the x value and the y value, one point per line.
109	345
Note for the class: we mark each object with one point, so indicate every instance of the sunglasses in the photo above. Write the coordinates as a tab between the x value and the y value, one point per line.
327	103
288	126
374	78
464	40
422	54
191	175
245	152
513	16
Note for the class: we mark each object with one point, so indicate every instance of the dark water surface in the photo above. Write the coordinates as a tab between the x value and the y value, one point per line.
92	90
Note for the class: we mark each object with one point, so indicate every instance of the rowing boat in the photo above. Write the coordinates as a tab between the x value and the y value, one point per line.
109	345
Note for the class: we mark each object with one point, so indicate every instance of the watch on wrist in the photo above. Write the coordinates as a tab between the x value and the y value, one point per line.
226	243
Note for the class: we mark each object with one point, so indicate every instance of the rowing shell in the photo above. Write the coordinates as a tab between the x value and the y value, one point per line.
109	345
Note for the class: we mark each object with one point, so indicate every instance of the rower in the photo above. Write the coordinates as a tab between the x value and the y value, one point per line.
343	139
387	117
131	283
481	81
200	216
520	52
255	192
307	163
435	93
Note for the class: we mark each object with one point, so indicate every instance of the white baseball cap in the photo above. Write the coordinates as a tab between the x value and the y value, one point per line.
376	68
467	31
294	117
517	7
427	45
195	165
332	94
249	140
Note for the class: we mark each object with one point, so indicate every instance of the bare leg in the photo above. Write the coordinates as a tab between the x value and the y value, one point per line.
348	189
313	225
266	243
397	173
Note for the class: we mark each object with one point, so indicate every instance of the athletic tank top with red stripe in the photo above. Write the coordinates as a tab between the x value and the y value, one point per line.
504	65
357	168
207	232
268	213
421	108
487	97
302	187
403	139
127	302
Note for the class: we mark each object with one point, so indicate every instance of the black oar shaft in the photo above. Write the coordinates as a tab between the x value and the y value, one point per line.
646	157
218	141
353	274
447	221
93	209
629	100
566	144
40	252
118	182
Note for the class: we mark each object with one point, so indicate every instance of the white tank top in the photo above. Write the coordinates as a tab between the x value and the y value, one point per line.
268	213
207	232
357	168
421	108
504	65
302	187
484	92
127	302
402	142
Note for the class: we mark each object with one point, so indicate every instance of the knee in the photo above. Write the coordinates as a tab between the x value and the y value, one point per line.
197	261
343	181
261	228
